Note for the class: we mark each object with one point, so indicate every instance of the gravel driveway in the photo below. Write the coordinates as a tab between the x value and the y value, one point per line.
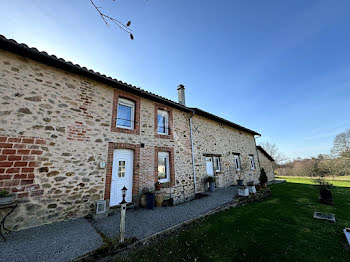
67	240
141	223
54	242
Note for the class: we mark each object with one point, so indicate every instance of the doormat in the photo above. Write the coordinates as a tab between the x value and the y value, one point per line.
324	216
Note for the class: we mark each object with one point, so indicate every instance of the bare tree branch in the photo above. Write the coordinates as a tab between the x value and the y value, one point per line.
106	19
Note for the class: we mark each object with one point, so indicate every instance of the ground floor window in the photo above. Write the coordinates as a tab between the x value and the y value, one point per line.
237	162
163	167
252	162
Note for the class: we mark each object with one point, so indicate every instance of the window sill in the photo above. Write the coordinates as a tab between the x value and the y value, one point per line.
165	184
163	136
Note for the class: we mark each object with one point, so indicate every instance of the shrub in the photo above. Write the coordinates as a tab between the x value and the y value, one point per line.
4	193
263	177
210	179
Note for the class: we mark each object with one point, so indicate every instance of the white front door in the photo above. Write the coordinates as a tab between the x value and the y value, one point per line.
209	163
122	174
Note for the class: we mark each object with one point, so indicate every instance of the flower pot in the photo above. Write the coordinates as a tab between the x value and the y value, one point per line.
251	189
211	186
7	200
159	199
143	200
150	200
240	182
243	191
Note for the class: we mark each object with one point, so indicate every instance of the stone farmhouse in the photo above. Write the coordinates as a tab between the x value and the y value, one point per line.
267	163
70	136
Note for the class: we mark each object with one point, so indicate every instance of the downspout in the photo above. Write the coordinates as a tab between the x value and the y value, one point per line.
257	153
194	169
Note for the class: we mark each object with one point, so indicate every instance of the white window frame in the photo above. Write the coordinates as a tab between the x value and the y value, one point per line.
128	103
164	114
237	162
167	167
252	162
217	164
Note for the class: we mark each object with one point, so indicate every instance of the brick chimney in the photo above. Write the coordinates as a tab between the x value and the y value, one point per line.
181	94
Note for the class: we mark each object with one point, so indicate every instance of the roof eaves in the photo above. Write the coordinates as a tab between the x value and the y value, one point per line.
43	57
265	153
224	121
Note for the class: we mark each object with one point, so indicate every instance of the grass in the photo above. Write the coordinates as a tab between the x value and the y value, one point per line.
337	181
278	229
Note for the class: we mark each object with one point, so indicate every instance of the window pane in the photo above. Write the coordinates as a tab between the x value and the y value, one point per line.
121	169
162	172
124	115
161	124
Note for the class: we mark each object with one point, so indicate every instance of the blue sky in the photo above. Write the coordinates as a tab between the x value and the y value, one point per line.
281	68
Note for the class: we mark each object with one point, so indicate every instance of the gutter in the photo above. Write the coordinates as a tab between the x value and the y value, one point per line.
193	166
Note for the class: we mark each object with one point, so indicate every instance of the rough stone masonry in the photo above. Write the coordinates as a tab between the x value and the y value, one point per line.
57	126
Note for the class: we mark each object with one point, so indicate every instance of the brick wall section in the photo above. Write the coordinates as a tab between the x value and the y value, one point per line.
170	150
120	94
18	160
135	180
78	132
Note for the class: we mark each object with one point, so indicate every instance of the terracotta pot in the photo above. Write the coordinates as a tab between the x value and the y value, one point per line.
7	200
159	199
143	201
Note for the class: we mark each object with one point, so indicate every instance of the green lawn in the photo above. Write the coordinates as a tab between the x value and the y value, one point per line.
337	181
278	229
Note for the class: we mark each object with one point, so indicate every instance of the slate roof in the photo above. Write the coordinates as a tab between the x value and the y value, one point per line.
43	57
265	153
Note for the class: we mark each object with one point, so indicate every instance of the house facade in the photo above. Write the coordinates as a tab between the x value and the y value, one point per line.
70	136
266	162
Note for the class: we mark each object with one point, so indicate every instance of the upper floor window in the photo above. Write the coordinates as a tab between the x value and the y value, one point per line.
217	164
237	162
162	122
163	167
252	162
125	113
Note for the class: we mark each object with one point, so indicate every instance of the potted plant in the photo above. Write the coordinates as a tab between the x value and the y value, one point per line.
157	186
240	182
263	178
143	201
6	197
211	181
159	199
251	187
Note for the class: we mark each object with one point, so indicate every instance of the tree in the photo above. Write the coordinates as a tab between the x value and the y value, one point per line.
341	144
273	151
108	19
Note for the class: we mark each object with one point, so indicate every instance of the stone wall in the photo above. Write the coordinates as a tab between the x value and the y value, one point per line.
268	166
68	120
211	137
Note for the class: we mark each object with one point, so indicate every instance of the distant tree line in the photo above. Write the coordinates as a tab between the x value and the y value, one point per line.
336	164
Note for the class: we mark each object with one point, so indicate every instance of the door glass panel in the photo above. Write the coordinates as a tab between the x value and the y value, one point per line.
121	168
209	165
162	167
